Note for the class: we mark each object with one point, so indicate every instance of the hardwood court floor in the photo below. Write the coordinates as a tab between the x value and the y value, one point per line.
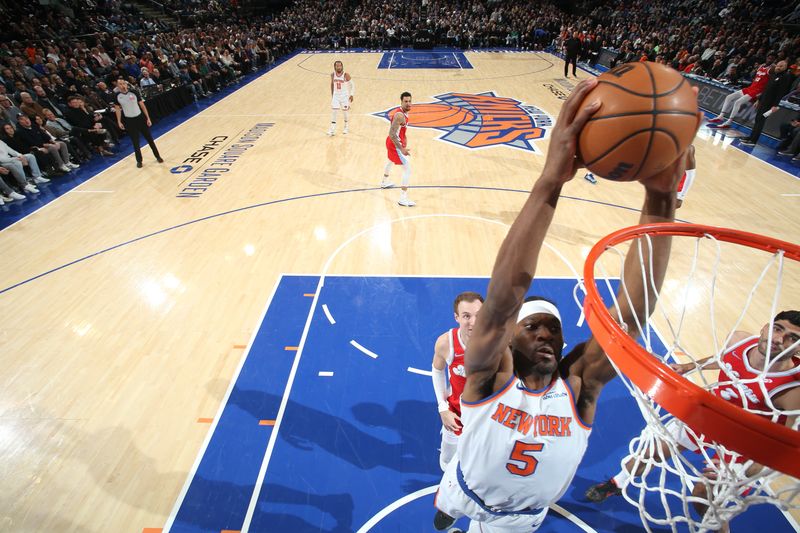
125	307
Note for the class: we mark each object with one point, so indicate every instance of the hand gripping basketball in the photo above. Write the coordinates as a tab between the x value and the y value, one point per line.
649	117
562	160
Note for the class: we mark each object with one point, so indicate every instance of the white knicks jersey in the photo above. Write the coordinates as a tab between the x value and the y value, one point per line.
341	87
520	448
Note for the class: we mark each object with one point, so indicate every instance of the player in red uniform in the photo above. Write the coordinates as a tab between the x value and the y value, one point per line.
745	358
688	176
734	101
448	358
397	149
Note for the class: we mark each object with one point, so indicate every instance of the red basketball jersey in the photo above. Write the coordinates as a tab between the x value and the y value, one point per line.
682	183
402	132
456	373
736	364
759	82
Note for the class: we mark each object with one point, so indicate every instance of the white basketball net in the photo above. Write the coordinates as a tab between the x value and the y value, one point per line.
694	324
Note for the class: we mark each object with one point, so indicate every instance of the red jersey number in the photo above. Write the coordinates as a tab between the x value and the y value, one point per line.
522	454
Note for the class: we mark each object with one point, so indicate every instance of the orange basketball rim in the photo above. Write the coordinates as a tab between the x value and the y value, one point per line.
756	438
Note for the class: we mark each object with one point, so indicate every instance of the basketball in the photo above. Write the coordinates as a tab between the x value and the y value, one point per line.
647	119
438	115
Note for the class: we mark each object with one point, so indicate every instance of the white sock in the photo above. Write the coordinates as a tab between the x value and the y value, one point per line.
621	478
387	169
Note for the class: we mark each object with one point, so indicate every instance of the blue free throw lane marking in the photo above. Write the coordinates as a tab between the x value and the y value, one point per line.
403	59
352	444
220	491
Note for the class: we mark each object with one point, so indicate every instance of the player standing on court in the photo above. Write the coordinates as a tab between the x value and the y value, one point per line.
342	91
397	149
448	358
526	412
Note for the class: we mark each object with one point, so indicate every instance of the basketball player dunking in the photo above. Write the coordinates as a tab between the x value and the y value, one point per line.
448	358
397	149
342	92
526	412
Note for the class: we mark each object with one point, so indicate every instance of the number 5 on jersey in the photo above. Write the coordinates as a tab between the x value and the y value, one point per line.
522	453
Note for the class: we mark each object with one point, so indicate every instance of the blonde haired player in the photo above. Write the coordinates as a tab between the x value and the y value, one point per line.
342	91
526	411
448	366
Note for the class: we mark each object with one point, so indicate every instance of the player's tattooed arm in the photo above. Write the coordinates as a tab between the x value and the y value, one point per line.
394	130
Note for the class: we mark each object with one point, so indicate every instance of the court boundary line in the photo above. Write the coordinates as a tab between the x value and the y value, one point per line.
223	403
290	199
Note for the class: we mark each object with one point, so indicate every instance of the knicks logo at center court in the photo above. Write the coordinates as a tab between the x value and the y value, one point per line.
480	120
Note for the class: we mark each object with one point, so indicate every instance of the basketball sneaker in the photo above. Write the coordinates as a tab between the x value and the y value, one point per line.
602	491
724	126
590	178
747	142
405	201
442	521
345	130
386	183
715	120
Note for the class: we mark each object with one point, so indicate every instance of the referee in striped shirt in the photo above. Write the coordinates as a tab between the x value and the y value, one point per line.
132	116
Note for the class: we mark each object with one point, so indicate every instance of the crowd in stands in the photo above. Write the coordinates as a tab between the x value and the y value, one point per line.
59	64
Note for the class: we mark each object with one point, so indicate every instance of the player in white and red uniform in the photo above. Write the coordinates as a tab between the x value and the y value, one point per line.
397	149
342	91
744	360
734	101
448	366
526	411
688	176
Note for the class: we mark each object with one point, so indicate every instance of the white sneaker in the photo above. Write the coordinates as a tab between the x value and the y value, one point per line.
5	198
41	179
2	202
30	188
73	165
64	168
16	196
405	201
386	184
345	130
331	133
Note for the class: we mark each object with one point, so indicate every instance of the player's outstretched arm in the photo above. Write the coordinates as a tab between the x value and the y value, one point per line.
516	261
589	372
